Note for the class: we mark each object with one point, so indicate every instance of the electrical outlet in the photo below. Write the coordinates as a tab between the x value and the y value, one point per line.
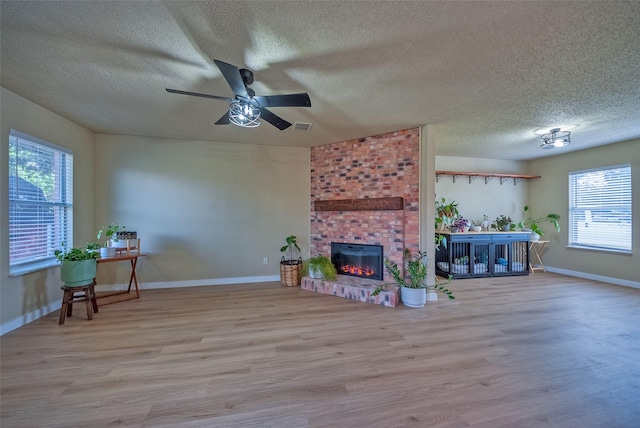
265	261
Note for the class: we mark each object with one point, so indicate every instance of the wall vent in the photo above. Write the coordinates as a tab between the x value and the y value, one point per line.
301	126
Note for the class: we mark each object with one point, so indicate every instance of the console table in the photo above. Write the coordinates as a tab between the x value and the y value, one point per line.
483	254
107	297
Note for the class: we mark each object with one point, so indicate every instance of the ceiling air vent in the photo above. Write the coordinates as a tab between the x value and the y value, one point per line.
301	126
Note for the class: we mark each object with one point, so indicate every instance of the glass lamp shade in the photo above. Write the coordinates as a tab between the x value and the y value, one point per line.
555	139
244	114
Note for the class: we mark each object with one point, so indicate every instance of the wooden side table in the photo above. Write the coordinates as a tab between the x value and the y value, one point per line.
107	297
536	248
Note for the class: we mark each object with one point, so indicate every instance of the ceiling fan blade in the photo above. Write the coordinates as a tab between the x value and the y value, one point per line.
196	94
273	119
290	100
234	79
224	120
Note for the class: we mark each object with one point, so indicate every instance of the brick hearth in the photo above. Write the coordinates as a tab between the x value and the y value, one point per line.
353	288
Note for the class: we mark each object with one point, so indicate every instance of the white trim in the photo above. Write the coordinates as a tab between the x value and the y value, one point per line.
38	313
196	282
609	280
29	317
32	139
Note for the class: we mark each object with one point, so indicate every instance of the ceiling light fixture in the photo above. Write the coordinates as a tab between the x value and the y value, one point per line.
244	114
555	139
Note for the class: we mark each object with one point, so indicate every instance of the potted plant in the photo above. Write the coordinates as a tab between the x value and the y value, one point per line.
78	265
319	267
93	246
413	290
502	222
460	224
533	223
290	268
485	222
111	236
446	212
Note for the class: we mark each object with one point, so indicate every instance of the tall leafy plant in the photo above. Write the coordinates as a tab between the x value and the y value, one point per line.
532	222
414	275
291	243
110	232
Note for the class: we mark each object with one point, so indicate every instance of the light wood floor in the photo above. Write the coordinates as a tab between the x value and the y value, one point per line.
539	351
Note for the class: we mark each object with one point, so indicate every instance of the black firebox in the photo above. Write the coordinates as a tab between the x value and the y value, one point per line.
364	261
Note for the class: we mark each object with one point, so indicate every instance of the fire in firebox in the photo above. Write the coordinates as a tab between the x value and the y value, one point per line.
358	270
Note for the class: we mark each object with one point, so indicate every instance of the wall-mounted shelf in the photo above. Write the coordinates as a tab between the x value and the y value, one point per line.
487	176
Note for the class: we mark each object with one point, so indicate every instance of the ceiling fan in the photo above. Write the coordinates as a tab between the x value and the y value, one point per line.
247	108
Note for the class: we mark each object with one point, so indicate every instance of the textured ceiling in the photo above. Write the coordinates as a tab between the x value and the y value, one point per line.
485	74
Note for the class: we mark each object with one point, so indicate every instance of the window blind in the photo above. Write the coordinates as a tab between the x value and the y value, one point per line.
40	201
600	208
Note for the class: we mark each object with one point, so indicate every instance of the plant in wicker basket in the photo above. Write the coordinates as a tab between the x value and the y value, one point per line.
290	268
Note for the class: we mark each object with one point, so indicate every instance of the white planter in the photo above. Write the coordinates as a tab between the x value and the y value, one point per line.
315	273
107	251
534	237
413	297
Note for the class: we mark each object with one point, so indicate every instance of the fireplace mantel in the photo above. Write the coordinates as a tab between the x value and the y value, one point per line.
364	204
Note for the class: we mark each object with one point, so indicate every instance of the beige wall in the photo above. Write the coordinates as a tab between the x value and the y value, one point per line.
550	194
26	297
205	212
209	212
477	198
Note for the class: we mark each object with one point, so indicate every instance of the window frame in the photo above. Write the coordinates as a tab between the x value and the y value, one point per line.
53	222
611	210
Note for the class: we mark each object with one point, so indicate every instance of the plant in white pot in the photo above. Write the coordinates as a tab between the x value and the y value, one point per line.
111	236
533	223
78	266
413	290
290	268
446	213
503	223
319	267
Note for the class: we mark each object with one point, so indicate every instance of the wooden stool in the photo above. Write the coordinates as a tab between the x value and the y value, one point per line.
70	295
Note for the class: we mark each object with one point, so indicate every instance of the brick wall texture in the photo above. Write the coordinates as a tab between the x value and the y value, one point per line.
373	167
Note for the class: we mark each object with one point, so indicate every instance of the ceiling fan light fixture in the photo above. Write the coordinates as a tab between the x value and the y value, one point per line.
555	139
244	114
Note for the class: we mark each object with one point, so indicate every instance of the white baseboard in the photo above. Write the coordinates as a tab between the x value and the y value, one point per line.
31	316
607	279
55	306
205	282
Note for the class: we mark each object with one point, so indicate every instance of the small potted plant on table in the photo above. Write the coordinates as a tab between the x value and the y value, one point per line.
460	224
111	236
446	213
502	223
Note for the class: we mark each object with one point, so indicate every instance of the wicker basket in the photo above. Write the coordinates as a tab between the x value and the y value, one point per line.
290	272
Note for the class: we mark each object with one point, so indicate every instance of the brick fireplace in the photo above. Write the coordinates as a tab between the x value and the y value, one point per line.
378	167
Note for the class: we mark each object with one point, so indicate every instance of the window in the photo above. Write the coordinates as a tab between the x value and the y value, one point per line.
40	201
600	209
